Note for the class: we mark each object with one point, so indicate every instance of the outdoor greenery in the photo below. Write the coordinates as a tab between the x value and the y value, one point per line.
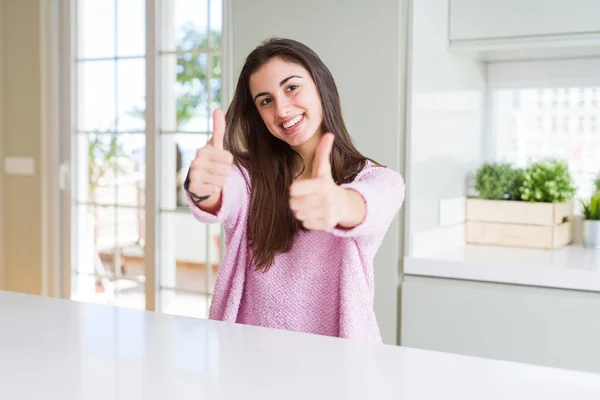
103	157
192	75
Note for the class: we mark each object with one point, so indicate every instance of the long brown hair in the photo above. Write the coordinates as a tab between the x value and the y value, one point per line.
271	162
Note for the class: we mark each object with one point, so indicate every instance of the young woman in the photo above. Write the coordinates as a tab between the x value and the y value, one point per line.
303	211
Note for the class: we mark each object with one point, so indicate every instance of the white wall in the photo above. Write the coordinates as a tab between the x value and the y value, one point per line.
22	212
2	267
362	44
445	124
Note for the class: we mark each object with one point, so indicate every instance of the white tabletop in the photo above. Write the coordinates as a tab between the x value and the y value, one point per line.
571	267
54	349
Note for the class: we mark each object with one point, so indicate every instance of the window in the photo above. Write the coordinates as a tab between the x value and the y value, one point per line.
114	42
533	124
548	109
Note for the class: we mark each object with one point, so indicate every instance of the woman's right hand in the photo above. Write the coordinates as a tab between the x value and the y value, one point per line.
211	167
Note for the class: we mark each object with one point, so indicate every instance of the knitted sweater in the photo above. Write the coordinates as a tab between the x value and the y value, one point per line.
324	285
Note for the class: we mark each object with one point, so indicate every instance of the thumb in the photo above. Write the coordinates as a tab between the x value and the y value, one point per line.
322	162
216	140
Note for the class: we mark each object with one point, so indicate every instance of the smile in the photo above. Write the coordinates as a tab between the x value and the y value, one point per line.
293	122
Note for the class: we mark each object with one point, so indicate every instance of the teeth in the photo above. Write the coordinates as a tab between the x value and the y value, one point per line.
292	122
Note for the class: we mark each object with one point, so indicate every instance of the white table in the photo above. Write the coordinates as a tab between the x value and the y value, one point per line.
54	349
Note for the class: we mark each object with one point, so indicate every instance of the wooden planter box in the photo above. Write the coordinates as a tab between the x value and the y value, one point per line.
519	223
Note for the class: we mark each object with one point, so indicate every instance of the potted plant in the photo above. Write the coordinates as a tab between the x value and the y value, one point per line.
529	207
591	220
547	181
498	181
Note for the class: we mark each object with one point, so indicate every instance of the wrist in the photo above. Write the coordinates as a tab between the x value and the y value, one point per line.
196	199
352	208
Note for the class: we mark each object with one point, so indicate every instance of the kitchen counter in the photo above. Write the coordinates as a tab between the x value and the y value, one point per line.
571	267
56	349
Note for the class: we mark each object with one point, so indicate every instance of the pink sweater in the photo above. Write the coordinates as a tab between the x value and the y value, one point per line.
324	285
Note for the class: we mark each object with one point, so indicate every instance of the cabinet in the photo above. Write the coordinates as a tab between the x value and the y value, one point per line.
534	325
543	28
493	19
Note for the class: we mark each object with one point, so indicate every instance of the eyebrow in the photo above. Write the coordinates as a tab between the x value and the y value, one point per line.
280	85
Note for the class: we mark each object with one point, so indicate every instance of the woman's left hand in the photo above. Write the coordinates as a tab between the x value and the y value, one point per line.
319	202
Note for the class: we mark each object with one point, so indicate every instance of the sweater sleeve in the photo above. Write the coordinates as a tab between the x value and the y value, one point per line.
235	200
383	191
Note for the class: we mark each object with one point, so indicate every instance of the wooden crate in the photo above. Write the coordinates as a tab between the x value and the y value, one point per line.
519	223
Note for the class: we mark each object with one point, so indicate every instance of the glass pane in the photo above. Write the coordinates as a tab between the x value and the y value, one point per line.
86	237
131	27
131	90
189	305
89	289
97	159
129	242
96	28
120	245
110	256
129	294
98	250
104	239
187	28
177	153
131	170
216	22
187	248
184	92
96	100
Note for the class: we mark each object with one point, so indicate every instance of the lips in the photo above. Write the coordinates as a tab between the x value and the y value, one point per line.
292	123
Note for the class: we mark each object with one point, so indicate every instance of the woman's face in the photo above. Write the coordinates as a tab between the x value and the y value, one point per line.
288	102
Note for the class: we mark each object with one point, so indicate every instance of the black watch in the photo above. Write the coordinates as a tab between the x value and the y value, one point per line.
195	198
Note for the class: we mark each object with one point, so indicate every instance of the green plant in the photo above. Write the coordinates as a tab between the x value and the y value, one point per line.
547	181
497	181
591	207
104	151
192	70
597	182
515	190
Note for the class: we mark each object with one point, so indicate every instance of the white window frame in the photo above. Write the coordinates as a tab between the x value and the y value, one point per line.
67	150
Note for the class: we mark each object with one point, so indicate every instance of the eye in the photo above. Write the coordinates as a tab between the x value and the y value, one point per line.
265	101
291	88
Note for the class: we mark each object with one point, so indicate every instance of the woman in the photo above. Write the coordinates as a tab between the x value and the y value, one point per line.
303	211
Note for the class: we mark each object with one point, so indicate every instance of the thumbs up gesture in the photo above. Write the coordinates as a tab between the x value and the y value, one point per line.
212	165
319	202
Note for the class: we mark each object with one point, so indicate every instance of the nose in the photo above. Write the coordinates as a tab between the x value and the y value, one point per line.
283	107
